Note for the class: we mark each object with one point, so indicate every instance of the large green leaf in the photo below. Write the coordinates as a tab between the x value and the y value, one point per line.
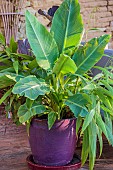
7	69
67	25
25	113
3	57
24	56
7	79
109	126
41	41
5	63
51	119
108	121
88	119
2	39
85	146
110	135
31	87
107	85
78	124
106	97
77	105
16	66
87	56
5	96
103	91
64	65
92	144
5	82
13	45
105	71
99	133
101	125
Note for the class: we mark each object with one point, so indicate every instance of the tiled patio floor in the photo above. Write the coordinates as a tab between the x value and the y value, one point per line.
14	148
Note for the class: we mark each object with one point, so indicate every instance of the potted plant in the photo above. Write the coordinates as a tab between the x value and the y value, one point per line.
64	100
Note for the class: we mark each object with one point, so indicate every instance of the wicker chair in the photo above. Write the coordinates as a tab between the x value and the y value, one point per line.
10	10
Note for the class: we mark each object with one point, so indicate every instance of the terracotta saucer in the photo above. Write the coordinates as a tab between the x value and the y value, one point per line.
75	164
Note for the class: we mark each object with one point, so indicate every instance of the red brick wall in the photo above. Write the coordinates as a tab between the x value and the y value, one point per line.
96	14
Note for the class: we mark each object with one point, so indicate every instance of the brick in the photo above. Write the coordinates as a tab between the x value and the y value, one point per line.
43	20
84	1
31	10
94	4
111	26
98	9
110	8
103	14
92	34
108	29
97	14
99	25
105	19
102	9
44	4
103	24
110	2
96	20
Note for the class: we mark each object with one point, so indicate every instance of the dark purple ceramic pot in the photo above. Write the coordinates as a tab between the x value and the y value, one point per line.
53	147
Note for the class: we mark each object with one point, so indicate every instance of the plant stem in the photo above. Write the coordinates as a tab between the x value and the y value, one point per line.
76	85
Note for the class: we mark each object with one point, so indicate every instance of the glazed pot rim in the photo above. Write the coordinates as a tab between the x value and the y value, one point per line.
45	120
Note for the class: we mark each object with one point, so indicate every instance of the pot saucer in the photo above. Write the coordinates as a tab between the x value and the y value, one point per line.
75	164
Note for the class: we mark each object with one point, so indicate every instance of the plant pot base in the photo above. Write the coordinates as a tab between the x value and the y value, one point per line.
73	165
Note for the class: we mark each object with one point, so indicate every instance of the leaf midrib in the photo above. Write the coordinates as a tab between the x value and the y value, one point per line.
90	55
38	40
75	104
37	106
67	26
30	88
66	58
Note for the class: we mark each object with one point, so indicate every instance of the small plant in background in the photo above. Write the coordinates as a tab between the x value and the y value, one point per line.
56	83
16	61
